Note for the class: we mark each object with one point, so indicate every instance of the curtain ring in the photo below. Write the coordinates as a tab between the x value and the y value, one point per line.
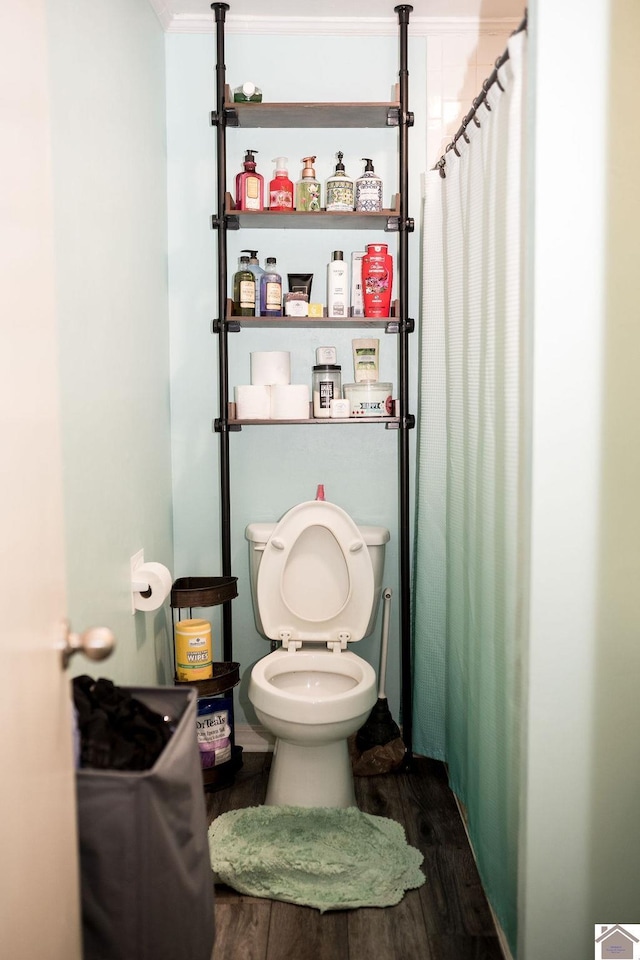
498	64
485	87
476	104
464	130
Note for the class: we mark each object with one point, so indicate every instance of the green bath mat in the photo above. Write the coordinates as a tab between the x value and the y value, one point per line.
331	859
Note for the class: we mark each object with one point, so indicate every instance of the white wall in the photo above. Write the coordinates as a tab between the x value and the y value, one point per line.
109	163
581	848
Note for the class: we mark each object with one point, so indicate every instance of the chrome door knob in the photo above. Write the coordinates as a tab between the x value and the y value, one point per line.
96	643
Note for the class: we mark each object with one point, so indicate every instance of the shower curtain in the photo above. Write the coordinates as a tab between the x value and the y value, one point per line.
468	617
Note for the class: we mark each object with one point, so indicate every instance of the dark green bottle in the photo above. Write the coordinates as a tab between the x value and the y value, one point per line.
244	290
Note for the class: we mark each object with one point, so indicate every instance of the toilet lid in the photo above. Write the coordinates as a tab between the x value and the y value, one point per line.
315	581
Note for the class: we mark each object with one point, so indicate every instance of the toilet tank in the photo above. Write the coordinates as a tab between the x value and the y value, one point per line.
376	539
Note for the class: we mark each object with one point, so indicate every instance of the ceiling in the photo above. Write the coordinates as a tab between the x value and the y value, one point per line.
174	12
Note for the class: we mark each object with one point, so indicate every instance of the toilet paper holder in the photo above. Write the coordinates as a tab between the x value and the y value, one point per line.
150	584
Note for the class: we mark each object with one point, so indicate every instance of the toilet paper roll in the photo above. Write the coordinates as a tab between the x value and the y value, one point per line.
160	582
253	402
270	366
290	401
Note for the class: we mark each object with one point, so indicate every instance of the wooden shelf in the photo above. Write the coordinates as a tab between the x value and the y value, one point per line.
390	324
311	115
390	422
321	220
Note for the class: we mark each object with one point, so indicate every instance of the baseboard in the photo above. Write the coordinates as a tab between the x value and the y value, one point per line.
253	739
504	945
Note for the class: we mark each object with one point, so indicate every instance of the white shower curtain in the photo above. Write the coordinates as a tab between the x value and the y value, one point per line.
470	513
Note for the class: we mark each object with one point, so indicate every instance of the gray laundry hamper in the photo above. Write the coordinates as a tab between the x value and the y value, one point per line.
147	885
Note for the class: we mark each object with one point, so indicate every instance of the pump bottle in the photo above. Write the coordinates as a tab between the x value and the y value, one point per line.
339	188
337	286
368	195
257	271
249	185
281	188
270	290
308	188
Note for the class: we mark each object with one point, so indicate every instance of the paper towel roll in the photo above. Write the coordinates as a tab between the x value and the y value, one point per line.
160	582
270	366
290	401
253	402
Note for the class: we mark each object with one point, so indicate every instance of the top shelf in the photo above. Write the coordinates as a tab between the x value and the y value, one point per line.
310	115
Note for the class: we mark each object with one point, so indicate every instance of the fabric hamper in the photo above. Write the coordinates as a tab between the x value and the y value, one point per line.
146	879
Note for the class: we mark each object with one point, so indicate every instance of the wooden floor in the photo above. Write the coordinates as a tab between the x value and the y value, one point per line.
446	919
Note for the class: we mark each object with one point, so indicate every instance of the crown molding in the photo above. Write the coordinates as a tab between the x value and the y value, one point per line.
331	26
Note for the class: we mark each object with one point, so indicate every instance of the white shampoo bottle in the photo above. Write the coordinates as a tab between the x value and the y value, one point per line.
337	286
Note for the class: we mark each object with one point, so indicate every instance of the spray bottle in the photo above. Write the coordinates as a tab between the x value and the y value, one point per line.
249	185
281	188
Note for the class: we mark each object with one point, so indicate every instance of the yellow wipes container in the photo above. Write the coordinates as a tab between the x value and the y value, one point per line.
194	651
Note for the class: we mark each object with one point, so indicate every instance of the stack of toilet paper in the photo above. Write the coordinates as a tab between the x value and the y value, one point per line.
271	395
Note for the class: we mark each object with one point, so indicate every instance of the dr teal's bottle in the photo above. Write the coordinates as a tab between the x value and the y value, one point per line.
249	185
257	271
270	290
244	290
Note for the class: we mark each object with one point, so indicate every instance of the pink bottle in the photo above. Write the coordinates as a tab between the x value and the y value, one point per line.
377	280
249	185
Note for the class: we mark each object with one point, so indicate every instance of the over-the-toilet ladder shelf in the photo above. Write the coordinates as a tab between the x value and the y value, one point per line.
394	114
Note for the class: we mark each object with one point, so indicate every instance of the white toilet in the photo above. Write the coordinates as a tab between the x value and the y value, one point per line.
316	580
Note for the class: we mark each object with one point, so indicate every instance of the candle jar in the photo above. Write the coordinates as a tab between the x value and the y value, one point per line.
327	386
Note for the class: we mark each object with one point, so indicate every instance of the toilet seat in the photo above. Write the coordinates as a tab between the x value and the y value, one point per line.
342	613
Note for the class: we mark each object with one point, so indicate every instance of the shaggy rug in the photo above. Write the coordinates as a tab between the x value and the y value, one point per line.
331	859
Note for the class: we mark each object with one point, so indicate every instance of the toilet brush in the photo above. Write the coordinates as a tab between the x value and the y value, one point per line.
380	728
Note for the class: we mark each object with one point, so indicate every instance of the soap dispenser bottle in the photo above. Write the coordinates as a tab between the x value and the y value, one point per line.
257	271
368	195
308	188
244	290
281	188
339	188
270	290
249	185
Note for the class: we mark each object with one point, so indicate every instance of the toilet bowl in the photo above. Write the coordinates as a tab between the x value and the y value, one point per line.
316	581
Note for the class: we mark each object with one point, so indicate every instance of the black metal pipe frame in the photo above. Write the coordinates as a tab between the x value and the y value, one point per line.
220	10
480	99
406	422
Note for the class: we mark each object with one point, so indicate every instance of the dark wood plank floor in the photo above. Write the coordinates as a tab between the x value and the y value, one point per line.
446	919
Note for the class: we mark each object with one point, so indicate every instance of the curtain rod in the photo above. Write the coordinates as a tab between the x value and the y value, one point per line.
481	98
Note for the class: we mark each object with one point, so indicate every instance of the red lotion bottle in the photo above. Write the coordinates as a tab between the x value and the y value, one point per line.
249	185
281	188
377	280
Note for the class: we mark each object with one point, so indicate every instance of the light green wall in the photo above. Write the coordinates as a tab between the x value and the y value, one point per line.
109	160
273	468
